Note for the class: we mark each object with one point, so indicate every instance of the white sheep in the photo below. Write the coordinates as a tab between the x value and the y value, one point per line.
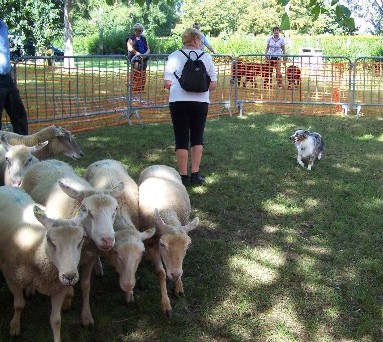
38	252
54	184
164	203
18	159
60	142
127	252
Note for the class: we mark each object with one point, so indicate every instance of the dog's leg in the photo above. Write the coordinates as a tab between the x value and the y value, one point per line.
299	160
319	155
310	163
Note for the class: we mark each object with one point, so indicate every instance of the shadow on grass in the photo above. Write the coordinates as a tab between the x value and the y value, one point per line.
281	254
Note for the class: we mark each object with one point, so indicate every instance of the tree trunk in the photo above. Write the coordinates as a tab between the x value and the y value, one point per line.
68	35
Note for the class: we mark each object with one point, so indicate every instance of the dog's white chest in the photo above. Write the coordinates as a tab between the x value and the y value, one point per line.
305	148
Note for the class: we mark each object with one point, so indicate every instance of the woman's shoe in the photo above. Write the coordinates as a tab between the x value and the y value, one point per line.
196	179
185	180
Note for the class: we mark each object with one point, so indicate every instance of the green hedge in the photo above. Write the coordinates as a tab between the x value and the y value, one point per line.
347	46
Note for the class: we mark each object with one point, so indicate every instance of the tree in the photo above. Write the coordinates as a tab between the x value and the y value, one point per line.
316	7
40	20
368	14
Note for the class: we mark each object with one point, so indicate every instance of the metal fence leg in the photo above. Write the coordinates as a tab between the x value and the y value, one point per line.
240	108
226	107
357	109
345	109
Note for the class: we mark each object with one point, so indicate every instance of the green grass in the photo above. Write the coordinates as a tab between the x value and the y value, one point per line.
281	253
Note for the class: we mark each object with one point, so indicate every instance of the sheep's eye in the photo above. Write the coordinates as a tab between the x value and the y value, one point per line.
162	245
81	243
29	161
50	242
7	160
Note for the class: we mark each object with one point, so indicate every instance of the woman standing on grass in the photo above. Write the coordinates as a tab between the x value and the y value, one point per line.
188	109
275	48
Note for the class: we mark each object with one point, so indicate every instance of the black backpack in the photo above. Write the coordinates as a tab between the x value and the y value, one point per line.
194	77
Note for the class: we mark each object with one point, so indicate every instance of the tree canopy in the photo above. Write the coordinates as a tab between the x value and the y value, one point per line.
47	20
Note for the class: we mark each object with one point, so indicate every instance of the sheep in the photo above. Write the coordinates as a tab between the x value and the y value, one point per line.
38	252
54	184
127	252
18	159
165	204
60	142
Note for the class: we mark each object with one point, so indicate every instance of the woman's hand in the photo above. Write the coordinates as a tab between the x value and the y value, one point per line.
167	84
213	85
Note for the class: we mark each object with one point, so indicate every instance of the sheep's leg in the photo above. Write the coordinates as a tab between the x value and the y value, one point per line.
18	304
86	273
68	299
98	269
155	257
179	287
129	297
55	319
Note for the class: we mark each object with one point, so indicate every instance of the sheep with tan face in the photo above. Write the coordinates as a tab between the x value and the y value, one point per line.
164	204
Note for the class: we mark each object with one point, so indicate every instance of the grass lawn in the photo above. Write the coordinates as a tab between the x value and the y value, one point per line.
281	253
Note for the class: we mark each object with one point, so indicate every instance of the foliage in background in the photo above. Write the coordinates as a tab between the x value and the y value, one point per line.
112	21
258	17
347	46
40	20
368	14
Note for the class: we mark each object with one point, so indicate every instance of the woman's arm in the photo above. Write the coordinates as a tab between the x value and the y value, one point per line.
130	47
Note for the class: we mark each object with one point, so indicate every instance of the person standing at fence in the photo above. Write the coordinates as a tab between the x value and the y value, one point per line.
205	41
9	94
138	47
188	110
275	49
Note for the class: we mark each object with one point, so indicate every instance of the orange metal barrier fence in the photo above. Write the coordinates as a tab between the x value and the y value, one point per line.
105	90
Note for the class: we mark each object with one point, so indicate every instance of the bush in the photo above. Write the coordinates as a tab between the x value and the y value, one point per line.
234	45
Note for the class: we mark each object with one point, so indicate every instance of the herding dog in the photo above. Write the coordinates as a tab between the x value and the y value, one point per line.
309	145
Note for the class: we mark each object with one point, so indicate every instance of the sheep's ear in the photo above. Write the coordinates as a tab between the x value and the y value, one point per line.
192	225
117	190
39	147
147	234
41	217
70	191
4	142
59	131
159	222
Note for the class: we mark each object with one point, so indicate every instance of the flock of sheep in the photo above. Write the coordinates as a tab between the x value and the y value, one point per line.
52	221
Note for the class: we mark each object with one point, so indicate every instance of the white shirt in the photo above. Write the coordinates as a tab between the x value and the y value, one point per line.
275	46
175	63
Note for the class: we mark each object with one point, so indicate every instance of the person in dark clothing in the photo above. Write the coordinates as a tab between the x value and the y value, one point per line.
9	94
138	47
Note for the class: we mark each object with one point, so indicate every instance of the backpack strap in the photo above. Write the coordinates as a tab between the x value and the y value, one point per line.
188	57
198	57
